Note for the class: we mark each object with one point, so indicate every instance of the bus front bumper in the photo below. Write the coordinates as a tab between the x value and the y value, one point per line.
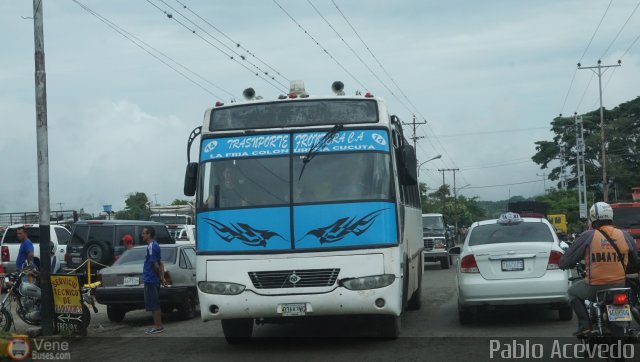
340	301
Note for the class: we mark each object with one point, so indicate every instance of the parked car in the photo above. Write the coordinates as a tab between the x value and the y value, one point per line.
10	245
122	287
511	261
436	242
101	240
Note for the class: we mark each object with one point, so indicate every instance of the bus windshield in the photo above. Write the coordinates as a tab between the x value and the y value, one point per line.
266	181
626	217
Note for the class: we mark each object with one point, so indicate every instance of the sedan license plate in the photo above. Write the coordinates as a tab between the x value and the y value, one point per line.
131	281
293	309
513	265
619	313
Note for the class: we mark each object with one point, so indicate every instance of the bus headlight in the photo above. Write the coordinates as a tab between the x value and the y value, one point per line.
221	288
371	282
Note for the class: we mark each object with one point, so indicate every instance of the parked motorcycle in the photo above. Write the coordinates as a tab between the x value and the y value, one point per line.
27	296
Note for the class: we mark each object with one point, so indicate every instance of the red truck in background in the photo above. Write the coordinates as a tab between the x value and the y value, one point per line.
626	215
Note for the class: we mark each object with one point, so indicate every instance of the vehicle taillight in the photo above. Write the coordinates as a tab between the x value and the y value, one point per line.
67	258
620	299
554	260
5	253
468	264
167	277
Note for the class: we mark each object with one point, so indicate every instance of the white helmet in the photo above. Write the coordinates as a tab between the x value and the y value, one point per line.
600	211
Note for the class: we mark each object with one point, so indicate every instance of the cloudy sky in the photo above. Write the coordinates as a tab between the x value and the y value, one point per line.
487	76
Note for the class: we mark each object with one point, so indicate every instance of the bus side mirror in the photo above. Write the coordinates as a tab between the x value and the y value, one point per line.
191	179
410	163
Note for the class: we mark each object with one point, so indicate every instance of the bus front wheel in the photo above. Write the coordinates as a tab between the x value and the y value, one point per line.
237	330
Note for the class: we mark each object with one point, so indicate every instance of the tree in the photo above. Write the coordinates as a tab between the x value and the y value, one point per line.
622	128
180	202
137	207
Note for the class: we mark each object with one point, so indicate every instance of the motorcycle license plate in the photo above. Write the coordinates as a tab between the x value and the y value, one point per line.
513	265
131	281
619	313
293	309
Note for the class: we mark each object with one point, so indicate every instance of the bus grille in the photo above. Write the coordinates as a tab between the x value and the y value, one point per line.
278	279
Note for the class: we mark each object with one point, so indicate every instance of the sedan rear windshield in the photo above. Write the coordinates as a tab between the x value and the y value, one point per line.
137	255
514	233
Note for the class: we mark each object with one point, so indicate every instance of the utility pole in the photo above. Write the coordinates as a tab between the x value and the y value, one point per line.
603	161
60	205
43	169
413	125
582	182
544	181
563	177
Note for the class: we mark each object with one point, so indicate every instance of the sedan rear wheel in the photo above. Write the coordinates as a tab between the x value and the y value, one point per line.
465	315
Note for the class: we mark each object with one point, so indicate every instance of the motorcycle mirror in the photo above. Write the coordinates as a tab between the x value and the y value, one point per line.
564	245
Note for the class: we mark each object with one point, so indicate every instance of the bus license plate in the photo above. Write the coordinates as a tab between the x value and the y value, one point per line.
513	265
293	309
619	313
131	281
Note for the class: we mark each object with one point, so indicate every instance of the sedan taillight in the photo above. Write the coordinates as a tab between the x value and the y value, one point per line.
554	260
468	264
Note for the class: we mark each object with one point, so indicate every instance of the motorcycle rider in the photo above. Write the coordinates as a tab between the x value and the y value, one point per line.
603	267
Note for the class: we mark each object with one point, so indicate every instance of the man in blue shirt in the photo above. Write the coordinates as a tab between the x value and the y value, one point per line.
26	249
152	275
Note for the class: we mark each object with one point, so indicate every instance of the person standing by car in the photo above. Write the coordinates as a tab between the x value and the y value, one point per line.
604	268
25	253
152	275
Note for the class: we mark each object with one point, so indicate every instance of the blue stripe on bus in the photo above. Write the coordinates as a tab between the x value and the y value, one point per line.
344	141
279	144
342	225
244	229
316	227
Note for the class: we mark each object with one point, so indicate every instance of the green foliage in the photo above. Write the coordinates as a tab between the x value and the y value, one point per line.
622	129
463	210
180	202
137	207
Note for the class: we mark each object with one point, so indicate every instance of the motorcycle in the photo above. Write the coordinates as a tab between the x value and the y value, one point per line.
612	312
27	296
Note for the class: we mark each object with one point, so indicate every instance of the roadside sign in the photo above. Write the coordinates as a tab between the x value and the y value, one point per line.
67	301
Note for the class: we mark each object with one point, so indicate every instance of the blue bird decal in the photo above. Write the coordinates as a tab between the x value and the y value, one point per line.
243	232
343	227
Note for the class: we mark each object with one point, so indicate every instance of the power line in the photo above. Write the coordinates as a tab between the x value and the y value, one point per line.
223	44
620	31
583	54
231	40
194	32
133	39
416	110
319	45
357	56
492	132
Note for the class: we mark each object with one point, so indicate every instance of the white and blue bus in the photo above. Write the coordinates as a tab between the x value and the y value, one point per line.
306	206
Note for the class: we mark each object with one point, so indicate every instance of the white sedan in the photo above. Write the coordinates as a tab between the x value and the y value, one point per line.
511	261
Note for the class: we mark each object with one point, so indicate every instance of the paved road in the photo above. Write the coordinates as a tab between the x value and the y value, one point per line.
324	338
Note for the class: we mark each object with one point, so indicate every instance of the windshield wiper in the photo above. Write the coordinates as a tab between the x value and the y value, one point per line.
313	151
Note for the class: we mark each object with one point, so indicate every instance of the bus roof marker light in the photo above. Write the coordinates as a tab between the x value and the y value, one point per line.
218	104
249	94
338	88
296	87
368	95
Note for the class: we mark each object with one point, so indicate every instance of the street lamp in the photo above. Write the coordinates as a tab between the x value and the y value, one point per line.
431	159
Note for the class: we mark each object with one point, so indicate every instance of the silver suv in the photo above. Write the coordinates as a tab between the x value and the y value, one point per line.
436	243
